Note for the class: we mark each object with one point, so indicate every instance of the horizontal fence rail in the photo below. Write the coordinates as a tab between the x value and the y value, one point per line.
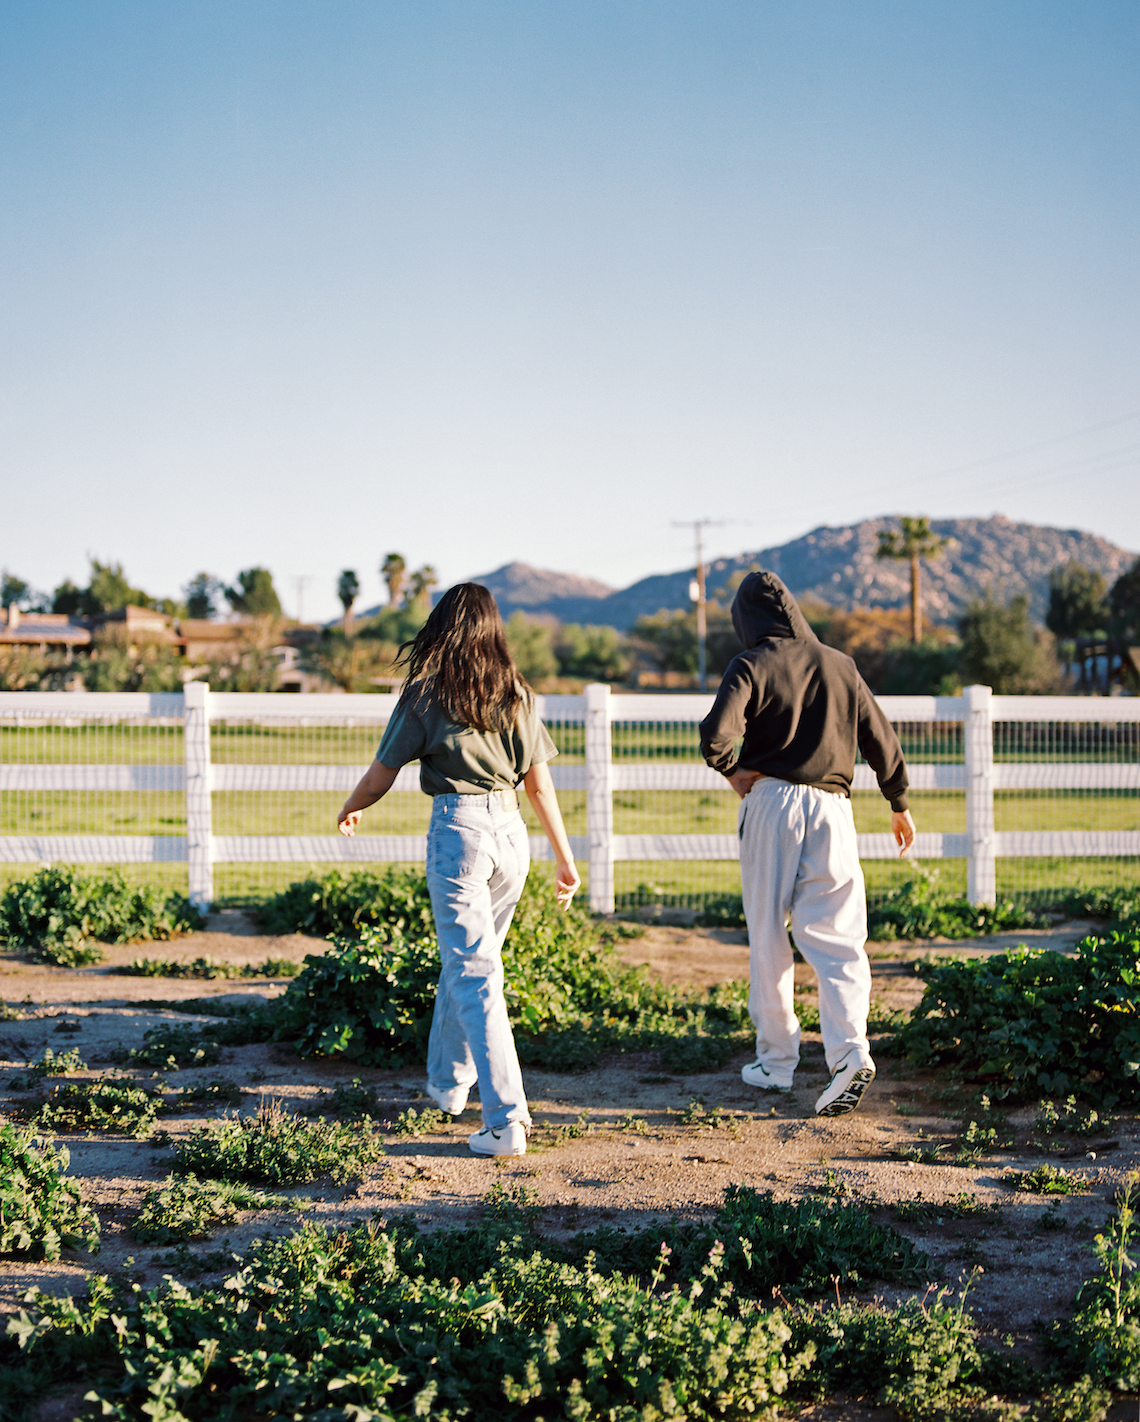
969	769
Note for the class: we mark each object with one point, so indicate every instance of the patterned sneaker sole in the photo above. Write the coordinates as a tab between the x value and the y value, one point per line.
849	1099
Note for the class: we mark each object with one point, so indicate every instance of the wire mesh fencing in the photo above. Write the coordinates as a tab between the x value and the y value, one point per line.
1026	798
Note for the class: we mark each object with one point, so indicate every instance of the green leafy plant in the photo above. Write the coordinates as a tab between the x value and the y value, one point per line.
213	1091
41	1212
1046	1180
189	1208
1030	1021
921	908
278	1148
122	1106
57	1063
173	1049
210	968
1071	1119
394	901
421	1123
54	914
353	1099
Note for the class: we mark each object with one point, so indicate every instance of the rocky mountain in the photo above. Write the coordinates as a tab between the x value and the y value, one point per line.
837	565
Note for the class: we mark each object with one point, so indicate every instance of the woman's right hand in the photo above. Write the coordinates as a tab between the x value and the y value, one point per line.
567	882
347	821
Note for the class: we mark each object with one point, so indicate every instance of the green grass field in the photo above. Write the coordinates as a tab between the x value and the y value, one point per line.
635	812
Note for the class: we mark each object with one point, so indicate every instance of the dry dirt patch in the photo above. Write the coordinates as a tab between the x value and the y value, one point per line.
645	1154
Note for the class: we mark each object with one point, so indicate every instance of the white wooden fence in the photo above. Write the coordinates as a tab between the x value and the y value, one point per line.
600	777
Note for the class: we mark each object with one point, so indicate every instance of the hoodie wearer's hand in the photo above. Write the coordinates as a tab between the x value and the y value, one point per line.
902	828
743	780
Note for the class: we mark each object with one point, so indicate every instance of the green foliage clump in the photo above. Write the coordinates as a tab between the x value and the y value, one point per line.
393	900
1032	1021
41	1213
1070	1119
419	1123
921	908
173	1049
353	1099
108	1105
278	1148
209	968
189	1208
57	1063
370	997
1046	1180
54	914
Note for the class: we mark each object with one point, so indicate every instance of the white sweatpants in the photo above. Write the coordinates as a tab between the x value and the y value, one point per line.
798	858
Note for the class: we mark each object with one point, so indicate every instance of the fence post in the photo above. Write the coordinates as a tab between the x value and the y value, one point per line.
199	816
599	798
981	866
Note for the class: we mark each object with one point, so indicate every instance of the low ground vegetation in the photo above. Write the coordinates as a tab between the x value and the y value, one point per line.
60	914
499	1320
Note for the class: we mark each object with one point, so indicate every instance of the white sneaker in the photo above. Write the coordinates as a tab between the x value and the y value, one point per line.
758	1075
845	1090
511	1140
450	1099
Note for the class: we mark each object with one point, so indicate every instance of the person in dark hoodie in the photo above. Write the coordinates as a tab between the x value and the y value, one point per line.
802	709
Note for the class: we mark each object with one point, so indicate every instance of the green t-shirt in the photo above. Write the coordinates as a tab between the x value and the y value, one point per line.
459	760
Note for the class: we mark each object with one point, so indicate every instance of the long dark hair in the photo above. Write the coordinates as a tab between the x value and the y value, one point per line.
461	658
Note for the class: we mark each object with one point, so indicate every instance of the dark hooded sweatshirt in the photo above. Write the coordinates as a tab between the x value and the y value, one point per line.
801	707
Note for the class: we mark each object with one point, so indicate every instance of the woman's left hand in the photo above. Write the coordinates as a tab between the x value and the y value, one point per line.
567	882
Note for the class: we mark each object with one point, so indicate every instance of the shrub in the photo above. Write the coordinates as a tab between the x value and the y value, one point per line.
108	1105
370	998
395	901
54	913
921	908
190	1208
1031	1021
41	1213
367	998
278	1148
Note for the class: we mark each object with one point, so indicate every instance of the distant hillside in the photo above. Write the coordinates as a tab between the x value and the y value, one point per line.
839	566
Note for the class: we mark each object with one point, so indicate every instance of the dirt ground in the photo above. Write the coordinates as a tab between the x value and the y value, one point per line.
638	1160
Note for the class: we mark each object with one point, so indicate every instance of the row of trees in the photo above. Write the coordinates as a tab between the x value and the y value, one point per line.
995	643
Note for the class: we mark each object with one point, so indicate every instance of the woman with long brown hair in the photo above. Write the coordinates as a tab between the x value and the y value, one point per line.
470	719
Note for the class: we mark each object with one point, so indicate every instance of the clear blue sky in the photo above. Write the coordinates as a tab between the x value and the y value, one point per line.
302	283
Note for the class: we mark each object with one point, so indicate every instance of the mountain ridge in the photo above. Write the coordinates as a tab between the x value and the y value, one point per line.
993	556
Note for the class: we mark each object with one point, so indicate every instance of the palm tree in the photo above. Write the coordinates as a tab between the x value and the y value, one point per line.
394	572
420	584
347	589
916	541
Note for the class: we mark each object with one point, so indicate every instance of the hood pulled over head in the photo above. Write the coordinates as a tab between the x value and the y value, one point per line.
763	607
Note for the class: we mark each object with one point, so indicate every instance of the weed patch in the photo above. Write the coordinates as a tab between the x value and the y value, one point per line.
393	900
214	1092
119	1106
189	1208
173	1049
921	908
352	1099
55	913
278	1148
1046	1180
1030	1021
41	1213
209	968
422	1123
1069	1118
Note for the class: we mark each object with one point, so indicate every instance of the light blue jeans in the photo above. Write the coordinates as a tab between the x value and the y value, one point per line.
478	854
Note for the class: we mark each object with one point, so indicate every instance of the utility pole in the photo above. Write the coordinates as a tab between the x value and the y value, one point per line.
300	580
697	524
